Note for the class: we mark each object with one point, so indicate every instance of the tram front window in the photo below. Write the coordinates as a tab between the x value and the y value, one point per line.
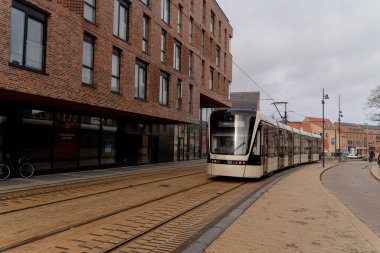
230	134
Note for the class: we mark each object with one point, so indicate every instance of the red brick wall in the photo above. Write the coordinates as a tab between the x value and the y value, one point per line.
65	30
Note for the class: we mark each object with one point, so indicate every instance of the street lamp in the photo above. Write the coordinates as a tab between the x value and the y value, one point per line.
339	119
324	96
366	137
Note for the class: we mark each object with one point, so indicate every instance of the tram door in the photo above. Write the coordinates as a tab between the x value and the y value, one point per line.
291	148
309	149
281	153
264	146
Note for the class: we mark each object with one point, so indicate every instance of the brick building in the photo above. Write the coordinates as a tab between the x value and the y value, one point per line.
93	83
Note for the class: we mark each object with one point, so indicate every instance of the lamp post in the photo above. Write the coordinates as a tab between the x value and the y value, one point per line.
339	119
366	137
324	96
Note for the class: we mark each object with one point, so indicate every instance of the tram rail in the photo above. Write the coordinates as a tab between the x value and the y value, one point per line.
160	223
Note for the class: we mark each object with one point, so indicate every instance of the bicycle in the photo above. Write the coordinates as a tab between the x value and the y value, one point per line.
25	168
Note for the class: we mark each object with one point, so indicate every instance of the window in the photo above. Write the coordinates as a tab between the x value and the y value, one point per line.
203	40
140	80
218	83
28	32
211	80
89	10
165	10
203	69
191	63
212	22
211	42
88	60
217	56
145	34
146	2
225	38
229	43
115	83
220	30
163	45
179	95
191	27
179	19
225	62
121	19
164	88
190	98
177	55
204	12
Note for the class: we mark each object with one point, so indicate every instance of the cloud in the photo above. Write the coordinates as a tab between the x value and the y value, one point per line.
294	48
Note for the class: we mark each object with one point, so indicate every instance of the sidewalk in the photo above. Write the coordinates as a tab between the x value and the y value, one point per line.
297	215
375	171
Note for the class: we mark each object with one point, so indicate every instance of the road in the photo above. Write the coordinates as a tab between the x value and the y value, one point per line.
353	184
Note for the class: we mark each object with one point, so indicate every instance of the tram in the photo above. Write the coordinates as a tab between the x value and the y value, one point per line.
244	143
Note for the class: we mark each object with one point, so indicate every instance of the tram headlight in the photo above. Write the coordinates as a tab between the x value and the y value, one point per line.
239	162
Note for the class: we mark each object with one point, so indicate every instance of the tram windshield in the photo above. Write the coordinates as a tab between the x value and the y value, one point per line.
230	134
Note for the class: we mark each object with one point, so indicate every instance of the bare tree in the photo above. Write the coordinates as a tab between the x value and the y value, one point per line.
374	102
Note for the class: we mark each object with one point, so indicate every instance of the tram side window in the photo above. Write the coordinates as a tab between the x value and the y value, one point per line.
272	142
315	146
290	142
257	143
297	144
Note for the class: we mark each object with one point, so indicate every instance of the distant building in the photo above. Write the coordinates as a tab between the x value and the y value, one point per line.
351	135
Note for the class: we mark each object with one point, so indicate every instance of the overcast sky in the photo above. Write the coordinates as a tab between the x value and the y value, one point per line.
294	48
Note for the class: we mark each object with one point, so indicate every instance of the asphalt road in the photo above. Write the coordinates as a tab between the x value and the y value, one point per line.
353	184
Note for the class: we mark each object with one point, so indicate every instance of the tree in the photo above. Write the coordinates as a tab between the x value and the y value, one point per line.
374	102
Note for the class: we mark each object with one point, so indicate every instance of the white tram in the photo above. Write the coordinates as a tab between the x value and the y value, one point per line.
244	143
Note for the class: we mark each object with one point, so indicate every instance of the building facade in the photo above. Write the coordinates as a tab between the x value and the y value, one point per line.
93	83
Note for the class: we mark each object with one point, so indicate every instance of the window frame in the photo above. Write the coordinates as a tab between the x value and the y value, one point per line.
191	89
211	78
91	40
92	7
191	30
165	11
162	92
212	22
163	46
191	64
37	16
179	19
145	34
145	2
141	65
217	56
179	95
126	6
116	52
177	45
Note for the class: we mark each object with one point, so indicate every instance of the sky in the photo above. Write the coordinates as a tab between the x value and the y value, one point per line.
294	49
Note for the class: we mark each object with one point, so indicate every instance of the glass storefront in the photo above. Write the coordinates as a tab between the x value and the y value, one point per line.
61	140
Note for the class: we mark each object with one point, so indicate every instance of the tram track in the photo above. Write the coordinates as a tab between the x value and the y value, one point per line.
186	211
93	219
94	194
73	184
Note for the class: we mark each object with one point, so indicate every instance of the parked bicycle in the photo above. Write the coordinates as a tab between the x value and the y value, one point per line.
24	168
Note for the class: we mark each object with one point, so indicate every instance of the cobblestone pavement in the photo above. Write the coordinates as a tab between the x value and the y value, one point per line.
353	184
297	215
